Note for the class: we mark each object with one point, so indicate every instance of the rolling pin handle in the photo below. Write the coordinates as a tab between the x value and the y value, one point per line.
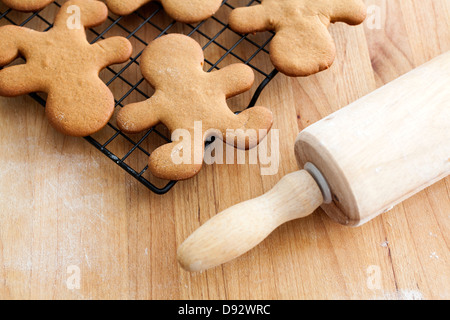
238	229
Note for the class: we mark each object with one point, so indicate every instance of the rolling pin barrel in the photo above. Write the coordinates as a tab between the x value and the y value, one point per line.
373	154
385	147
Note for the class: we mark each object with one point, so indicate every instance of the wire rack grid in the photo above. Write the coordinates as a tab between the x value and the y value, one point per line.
220	44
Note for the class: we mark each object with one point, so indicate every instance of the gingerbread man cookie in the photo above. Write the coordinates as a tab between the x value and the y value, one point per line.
27	5
187	11
64	65
188	98
302	45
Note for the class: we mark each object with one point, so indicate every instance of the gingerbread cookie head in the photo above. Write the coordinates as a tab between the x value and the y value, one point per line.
191	11
64	65
302	45
192	101
164	62
27	5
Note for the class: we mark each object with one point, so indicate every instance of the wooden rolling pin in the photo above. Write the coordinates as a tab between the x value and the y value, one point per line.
360	162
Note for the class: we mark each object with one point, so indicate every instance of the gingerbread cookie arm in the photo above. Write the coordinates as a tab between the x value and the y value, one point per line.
191	11
234	79
311	48
137	117
13	39
352	12
16	80
19	80
112	50
9	49
250	19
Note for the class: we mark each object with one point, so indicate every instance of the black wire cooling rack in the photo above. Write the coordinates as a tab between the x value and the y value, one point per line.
222	46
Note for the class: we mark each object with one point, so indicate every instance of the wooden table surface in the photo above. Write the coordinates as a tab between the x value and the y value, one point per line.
68	211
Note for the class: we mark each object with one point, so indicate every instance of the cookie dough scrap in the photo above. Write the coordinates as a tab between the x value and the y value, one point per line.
187	11
61	63
185	95
302	45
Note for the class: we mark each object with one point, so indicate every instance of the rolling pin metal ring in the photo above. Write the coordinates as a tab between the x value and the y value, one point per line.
321	182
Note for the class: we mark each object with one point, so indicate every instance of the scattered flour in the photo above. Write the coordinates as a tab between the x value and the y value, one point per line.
434	255
384	244
402	295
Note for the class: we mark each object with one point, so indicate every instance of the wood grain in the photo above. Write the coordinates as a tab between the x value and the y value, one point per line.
64	204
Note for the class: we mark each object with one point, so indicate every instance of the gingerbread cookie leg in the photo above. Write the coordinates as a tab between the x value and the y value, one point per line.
246	126
236	79
27	5
164	164
187	11
191	11
78	98
249	19
305	55
351	13
124	8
